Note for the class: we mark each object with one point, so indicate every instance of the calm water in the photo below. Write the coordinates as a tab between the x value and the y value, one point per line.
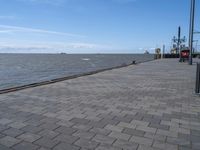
21	69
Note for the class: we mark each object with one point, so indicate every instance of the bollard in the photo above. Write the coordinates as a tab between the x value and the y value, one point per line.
197	87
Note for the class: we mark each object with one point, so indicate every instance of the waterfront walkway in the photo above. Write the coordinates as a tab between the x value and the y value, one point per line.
149	106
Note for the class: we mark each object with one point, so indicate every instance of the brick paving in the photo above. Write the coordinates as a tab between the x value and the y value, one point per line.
149	106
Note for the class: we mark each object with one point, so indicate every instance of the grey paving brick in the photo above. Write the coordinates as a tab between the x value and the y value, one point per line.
12	132
83	134
48	133
103	139
65	146
126	145
47	143
142	140
66	138
65	123
29	137
107	147
79	121
114	128
3	127
86	144
177	141
159	126
25	146
144	147
9	141
5	121
49	126
133	132
119	135
49	120
163	145
65	130
17	125
82	127
31	129
157	137
2	147
100	131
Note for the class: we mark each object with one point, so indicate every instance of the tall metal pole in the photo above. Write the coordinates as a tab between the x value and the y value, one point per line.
191	31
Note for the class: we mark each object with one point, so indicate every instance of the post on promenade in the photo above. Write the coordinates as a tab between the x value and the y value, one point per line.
191	30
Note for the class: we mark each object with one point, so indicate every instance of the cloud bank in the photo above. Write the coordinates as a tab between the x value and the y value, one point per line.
13	29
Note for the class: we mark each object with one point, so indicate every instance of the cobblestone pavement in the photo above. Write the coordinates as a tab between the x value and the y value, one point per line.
149	106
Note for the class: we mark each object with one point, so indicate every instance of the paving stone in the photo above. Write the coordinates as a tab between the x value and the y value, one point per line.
165	146
65	130
31	129
29	137
133	132
152	120
126	145
25	146
146	129
144	147
48	133
49	126
167	133
79	121
123	119
47	143
100	131
49	120
159	126
2	147
83	134
33	122
82	127
83	143
157	137
66	138
17	125
177	141
119	135
12	132
107	147
3	127
5	121
114	128
97	124
140	123
9	141
103	139
65	123
142	140
65	146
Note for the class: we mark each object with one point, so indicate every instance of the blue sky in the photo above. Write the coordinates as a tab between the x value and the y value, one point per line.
92	26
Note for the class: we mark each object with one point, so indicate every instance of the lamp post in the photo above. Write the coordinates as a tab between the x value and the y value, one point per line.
191	30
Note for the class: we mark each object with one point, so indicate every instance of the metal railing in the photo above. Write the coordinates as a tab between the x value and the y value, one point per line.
197	87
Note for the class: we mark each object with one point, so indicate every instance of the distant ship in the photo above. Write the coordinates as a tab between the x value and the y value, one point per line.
146	52
63	53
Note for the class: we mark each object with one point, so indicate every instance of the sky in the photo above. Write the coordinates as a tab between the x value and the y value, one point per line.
92	26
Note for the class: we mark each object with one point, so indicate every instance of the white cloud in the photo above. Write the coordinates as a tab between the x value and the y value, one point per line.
83	45
13	29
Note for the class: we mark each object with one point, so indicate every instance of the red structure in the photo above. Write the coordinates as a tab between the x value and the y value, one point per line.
185	55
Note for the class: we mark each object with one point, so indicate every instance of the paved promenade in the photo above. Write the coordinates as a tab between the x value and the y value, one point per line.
149	106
